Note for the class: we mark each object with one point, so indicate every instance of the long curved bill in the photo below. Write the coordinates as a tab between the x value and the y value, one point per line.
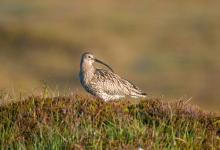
101	62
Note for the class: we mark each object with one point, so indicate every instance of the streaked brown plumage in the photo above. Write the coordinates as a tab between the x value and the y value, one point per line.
105	84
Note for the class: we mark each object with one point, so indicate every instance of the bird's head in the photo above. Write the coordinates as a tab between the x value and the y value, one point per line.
88	59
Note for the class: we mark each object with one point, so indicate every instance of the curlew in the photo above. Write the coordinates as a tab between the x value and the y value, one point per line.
105	84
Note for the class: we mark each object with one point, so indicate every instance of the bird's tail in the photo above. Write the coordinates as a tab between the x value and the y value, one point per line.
139	95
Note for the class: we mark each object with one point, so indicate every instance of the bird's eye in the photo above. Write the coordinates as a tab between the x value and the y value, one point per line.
89	57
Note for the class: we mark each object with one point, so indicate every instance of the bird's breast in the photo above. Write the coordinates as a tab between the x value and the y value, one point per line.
85	79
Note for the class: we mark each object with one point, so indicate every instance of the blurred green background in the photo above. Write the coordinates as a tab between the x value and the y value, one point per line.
168	48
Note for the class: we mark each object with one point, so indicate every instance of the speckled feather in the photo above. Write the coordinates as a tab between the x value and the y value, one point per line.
105	84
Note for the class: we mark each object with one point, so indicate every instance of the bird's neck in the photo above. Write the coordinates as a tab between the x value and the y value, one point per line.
87	70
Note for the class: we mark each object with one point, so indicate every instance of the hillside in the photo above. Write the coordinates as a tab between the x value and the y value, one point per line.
82	122
165	47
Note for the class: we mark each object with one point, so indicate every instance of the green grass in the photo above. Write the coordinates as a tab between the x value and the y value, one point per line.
82	122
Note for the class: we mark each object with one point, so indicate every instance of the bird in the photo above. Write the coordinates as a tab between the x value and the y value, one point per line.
105	84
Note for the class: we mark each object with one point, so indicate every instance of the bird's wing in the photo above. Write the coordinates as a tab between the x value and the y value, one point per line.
111	83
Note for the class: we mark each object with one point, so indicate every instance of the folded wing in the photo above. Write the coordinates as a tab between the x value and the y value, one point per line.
112	84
